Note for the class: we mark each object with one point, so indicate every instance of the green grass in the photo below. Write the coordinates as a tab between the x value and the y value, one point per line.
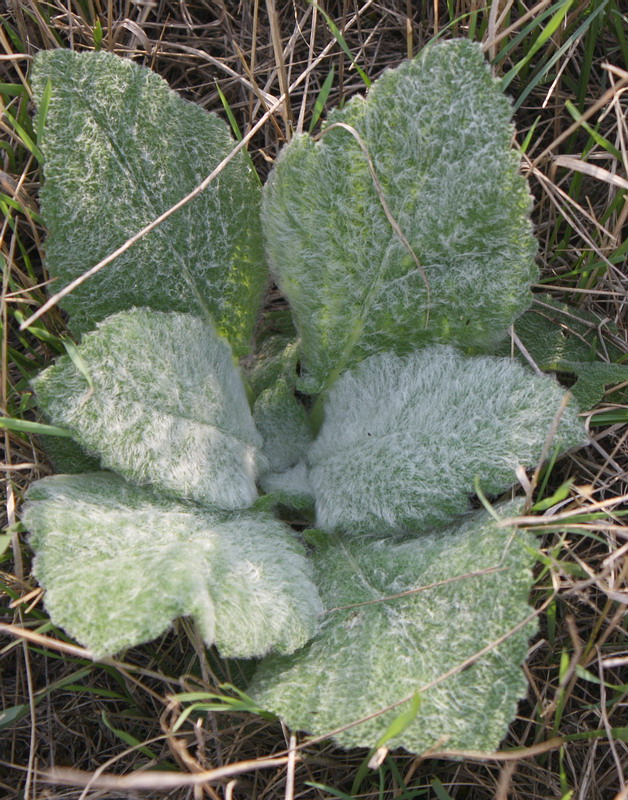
168	705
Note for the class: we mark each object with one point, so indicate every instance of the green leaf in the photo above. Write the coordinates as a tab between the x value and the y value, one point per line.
290	488
97	33
13	714
25	136
120	148
68	456
437	134
282	422
75	357
119	563
321	99
401	722
236	131
5	543
344	46
279	416
26	426
330	789
593	377
565	339
378	647
541	39
281	500
276	356
167	407
604	419
439	790
128	738
560	494
404	437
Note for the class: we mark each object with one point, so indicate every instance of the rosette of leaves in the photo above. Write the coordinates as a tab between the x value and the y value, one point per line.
372	411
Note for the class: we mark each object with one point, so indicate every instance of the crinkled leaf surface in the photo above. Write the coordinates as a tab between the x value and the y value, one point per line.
279	416
119	564
380	651
276	353
593	378
565	339
120	148
404	437
438	135
282	422
166	406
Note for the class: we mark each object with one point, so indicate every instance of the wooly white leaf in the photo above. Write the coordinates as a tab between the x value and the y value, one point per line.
290	488
120	148
120	563
383	648
157	396
438	136
405	436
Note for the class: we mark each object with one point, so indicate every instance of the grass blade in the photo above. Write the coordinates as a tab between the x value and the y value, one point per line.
543	37
26	426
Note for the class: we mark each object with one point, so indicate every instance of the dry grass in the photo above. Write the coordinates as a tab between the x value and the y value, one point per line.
117	717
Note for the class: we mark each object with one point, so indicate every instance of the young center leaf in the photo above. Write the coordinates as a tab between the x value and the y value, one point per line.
436	132
404	437
279	416
282	423
157	396
119	563
120	148
383	647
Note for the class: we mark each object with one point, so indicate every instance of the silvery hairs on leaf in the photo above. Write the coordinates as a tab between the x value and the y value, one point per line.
66	455
158	398
290	488
120	148
120	563
279	417
438	134
282	422
565	339
371	656
404	437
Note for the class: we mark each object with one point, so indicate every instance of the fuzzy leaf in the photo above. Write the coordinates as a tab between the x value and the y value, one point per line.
167	406
282	423
68	456
279	416
119	564
276	353
293	482
593	377
120	148
371	656
404	437
565	339
438	134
